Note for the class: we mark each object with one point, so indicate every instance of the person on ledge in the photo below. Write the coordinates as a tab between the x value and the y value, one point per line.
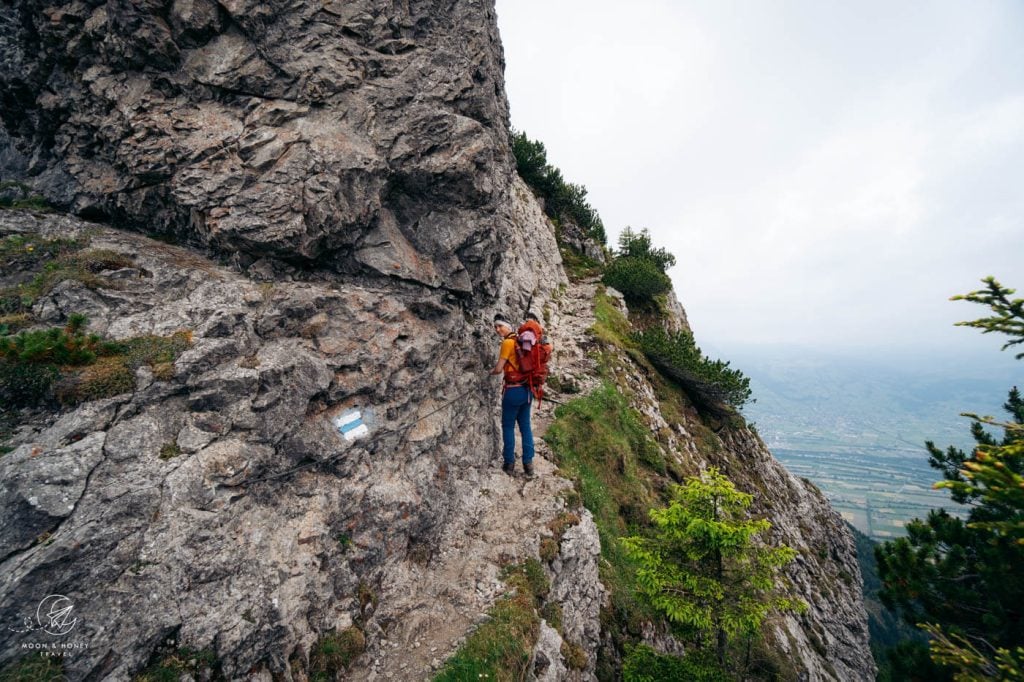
516	400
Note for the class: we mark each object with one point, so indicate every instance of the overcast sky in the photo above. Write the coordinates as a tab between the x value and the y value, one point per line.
827	173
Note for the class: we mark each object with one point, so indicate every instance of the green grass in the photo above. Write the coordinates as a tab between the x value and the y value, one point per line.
33	668
578	266
29	255
169	450
31	250
334	652
610	325
619	470
28	201
33	203
602	444
52	261
170	666
9	324
644	664
500	648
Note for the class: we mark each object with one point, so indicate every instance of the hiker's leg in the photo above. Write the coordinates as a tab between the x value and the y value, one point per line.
525	430
509	410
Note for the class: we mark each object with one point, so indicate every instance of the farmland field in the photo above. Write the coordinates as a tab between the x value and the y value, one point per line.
857	428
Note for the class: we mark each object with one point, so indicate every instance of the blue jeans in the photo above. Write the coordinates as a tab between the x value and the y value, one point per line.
515	409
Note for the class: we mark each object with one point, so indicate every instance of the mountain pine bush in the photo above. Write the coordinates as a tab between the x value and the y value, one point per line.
710	383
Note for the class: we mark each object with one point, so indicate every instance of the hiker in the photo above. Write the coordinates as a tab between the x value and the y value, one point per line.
516	399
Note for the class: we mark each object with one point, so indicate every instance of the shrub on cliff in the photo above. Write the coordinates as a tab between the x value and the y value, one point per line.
644	664
638	271
561	199
710	383
639	279
68	366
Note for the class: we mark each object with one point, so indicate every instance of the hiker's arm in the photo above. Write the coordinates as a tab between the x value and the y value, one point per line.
500	367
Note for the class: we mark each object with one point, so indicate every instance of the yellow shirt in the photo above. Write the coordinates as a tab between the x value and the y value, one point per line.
508	352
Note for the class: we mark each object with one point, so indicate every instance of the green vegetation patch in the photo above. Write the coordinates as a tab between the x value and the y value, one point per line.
10	324
638	279
67	366
549	549
29	251
610	325
561	199
710	383
602	444
33	668
638	271
82	266
26	200
24	258
170	666
334	652
644	664
500	648
578	266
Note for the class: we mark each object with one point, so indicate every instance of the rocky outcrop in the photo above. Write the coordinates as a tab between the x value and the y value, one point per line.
574	237
360	137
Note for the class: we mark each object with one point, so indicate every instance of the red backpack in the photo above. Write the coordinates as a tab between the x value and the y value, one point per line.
533	350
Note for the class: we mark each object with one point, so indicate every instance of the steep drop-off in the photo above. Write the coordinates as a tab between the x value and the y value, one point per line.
338	179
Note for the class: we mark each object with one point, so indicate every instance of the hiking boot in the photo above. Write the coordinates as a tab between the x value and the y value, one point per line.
509	468
528	469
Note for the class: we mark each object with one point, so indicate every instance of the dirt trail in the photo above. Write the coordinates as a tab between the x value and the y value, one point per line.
502	519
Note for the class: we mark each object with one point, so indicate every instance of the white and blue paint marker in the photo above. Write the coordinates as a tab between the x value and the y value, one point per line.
351	425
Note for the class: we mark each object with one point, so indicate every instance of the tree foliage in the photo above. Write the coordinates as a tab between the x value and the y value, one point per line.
969	662
710	383
638	269
562	200
1008	317
702	567
962	580
638	279
638	245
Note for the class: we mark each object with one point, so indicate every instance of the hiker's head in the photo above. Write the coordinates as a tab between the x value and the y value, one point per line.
532	316
502	326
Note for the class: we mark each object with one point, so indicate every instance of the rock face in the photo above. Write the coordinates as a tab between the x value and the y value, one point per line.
362	137
344	168
186	546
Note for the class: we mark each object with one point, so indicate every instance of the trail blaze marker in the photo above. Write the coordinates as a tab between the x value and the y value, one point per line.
350	424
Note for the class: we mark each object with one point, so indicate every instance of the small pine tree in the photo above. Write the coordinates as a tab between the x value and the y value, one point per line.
702	568
638	245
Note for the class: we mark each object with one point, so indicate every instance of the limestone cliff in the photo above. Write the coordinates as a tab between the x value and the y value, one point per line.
338	180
